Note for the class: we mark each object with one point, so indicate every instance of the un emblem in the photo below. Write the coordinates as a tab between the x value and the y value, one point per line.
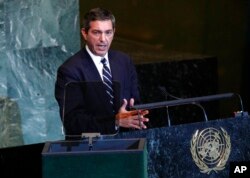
210	149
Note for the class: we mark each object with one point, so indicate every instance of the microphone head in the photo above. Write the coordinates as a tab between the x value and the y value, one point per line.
163	91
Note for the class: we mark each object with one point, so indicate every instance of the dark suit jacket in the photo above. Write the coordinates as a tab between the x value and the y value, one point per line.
86	107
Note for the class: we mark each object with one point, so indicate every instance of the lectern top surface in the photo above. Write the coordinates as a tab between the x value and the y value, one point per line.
97	145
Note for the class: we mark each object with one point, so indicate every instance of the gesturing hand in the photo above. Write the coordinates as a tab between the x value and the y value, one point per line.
131	119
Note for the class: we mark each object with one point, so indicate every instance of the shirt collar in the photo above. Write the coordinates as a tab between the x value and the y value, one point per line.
96	59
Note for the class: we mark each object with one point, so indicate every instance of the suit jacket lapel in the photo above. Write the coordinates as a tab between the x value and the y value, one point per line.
117	79
115	68
92	75
90	71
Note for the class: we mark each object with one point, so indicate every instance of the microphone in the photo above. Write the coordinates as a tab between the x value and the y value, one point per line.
166	94
241	113
196	101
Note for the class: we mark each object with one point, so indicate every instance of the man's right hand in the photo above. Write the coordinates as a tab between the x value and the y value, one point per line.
131	119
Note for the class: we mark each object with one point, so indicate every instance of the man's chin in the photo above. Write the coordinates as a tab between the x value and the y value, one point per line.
101	53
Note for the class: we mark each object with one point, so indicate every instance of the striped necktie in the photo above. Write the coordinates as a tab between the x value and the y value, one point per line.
107	80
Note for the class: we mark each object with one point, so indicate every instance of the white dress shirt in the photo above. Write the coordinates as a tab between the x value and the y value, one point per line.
97	61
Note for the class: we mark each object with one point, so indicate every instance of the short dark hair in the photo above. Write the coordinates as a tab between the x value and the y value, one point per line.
97	14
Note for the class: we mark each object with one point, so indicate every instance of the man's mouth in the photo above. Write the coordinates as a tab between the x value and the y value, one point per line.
102	47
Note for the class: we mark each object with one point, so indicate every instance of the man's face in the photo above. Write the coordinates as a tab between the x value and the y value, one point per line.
99	36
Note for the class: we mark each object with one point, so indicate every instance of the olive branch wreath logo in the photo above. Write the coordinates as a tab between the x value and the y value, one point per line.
204	168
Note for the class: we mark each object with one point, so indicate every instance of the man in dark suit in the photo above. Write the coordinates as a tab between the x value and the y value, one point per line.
81	90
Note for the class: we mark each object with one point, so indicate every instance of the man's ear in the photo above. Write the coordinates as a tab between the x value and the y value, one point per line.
84	33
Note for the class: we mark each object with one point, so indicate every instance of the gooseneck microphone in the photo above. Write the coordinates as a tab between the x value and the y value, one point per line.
242	113
167	94
196	101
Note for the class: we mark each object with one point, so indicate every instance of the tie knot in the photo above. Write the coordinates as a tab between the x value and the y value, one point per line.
104	61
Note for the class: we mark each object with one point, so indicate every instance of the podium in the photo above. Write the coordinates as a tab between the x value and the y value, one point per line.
169	148
206	149
109	158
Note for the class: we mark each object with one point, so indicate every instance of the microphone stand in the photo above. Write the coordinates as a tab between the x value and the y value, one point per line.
166	94
193	100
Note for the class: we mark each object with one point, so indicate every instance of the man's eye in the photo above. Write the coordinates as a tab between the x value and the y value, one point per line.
109	32
96	32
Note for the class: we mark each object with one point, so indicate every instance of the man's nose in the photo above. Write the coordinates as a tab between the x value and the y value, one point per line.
102	36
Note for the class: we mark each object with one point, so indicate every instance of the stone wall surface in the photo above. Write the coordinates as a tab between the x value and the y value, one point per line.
36	37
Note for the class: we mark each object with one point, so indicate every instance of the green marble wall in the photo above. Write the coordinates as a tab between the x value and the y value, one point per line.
36	37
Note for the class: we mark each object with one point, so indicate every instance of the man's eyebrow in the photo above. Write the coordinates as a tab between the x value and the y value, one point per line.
102	30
